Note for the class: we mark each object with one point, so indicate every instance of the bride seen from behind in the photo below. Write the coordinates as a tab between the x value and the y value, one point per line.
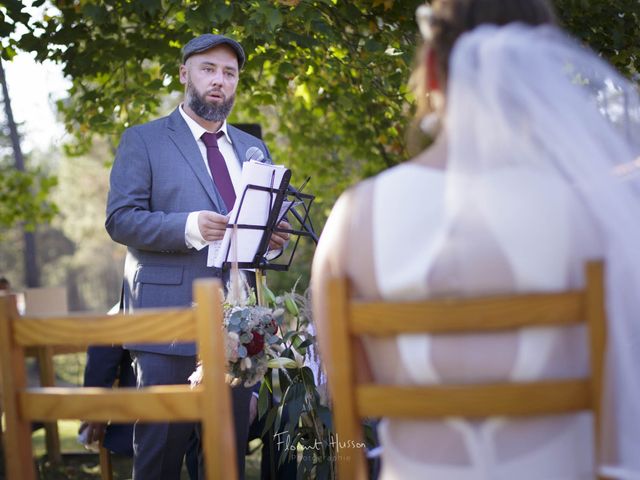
517	192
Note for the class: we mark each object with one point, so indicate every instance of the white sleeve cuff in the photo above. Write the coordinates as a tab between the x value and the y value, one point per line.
192	236
273	254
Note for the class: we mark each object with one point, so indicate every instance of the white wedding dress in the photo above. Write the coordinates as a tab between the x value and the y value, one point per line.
522	230
542	174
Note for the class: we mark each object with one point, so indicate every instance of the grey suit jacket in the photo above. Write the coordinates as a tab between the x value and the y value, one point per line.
158	178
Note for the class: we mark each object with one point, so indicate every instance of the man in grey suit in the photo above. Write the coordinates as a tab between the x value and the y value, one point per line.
168	198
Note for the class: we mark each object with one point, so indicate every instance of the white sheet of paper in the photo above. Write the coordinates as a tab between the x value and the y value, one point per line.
214	248
255	211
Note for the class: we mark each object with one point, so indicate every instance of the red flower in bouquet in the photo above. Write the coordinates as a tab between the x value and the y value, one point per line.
256	344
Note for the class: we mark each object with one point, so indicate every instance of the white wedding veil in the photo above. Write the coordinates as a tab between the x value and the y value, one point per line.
532	96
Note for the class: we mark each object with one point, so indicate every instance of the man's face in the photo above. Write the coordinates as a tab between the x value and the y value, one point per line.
211	78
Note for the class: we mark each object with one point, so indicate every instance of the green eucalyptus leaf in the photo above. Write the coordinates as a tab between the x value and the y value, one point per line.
308	377
283	381
263	399
278	420
269	421
300	343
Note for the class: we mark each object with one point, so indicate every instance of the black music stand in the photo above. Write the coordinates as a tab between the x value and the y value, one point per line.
297	215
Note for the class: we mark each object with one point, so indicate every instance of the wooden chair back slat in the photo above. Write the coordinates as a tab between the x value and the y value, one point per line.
466	315
150	326
476	401
103	404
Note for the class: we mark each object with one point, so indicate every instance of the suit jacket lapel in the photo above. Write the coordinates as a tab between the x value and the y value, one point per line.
183	139
238	146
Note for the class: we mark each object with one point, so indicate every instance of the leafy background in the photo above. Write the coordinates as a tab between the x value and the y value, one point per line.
326	79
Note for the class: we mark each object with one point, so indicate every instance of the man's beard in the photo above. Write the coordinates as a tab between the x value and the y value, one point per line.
212	112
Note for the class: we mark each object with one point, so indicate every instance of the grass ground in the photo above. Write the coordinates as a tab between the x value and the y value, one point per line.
79	464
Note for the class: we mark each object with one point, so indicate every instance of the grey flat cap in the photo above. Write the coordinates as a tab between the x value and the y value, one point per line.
210	40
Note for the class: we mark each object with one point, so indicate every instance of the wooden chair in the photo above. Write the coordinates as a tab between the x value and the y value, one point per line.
352	402
210	403
53	301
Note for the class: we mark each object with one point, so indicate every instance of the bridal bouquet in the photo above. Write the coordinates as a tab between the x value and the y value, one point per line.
250	336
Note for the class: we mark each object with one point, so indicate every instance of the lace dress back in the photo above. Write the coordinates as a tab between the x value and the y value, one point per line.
522	230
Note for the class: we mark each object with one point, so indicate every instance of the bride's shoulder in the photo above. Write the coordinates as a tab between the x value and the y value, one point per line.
406	177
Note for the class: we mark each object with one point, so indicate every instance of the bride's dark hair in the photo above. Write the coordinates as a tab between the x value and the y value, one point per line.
451	18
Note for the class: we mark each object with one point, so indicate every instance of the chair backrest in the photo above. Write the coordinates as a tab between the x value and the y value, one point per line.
349	318
209	403
48	301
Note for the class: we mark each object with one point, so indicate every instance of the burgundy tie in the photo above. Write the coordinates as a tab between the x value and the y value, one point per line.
218	168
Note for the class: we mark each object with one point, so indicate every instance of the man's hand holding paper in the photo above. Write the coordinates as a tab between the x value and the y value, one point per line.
279	239
212	225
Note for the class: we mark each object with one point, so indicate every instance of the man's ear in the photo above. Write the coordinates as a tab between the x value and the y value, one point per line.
432	78
183	74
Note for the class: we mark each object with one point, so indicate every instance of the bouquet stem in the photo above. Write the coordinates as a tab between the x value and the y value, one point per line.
260	277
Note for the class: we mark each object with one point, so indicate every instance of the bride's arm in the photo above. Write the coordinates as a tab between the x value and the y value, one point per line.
331	259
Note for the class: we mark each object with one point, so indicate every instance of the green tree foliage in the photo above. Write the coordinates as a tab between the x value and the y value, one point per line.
24	198
24	195
12	15
610	28
326	78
